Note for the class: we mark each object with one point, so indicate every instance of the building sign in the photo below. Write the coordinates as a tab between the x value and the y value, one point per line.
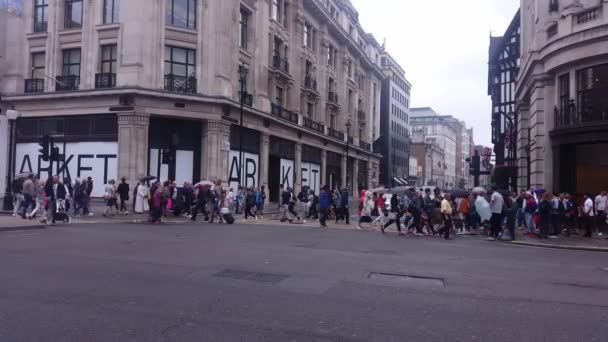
413	167
250	173
97	160
287	174
311	176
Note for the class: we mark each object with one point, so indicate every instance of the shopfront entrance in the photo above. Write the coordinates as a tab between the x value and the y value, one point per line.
334	170
281	167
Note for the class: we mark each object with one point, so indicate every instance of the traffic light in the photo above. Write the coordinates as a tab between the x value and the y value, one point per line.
45	145
475	165
55	153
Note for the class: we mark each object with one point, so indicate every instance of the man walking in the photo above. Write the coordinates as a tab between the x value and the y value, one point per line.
323	205
601	203
588	215
496	206
123	193
285	200
344	204
28	195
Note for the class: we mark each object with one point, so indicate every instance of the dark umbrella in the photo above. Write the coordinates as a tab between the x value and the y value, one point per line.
459	193
147	178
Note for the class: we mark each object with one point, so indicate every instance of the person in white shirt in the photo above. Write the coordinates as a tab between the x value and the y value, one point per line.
496	204
588	214
601	204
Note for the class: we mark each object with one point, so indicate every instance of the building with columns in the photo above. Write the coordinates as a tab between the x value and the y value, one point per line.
153	87
557	132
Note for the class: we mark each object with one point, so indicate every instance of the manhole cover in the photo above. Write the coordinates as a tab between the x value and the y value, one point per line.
406	279
260	277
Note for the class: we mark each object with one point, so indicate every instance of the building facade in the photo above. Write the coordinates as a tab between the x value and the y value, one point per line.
274	93
431	170
485	153
430	127
395	129
468	145
562	96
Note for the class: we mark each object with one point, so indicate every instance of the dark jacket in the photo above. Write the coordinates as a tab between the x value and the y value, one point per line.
285	197
344	199
123	191
394	204
324	201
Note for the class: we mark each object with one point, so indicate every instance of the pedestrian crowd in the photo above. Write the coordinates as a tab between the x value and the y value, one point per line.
537	213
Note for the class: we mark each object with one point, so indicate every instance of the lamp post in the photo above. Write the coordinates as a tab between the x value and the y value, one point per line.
12	117
243	71
348	124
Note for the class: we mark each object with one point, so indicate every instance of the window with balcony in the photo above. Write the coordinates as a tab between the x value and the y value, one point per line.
243	28
279	12
279	95
592	93
35	84
180	69
73	13
70	71
107	76
110	11
280	52
41	15
181	13
308	35
332	121
331	56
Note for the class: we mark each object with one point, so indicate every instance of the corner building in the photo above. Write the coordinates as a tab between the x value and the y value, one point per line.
562	96
121	84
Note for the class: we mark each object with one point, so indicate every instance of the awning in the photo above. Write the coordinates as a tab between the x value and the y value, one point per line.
400	181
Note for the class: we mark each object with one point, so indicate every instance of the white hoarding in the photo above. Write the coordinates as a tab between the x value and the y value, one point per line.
311	176
249	174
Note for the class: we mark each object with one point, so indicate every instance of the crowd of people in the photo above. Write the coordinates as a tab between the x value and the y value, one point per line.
537	213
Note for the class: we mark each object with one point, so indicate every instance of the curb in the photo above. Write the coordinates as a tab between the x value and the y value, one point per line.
23	228
567	247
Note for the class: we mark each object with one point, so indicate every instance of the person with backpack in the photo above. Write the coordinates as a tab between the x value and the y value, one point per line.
394	215
557	216
530	209
260	198
250	201
285	201
324	205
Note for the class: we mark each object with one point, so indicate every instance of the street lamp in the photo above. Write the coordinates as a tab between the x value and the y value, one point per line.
348	125
12	116
243	71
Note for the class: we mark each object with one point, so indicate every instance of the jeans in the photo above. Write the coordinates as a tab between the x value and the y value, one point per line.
323	218
520	217
556	223
28	201
495	225
530	222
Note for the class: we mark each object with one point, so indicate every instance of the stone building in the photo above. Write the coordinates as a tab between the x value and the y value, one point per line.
429	156
395	128
428	126
138	87
562	96
468	145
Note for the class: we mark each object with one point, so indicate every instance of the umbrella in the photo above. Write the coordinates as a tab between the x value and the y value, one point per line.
380	189
459	193
399	190
203	183
479	190
540	190
147	178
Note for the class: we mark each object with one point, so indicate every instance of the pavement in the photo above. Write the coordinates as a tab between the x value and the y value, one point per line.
576	242
196	282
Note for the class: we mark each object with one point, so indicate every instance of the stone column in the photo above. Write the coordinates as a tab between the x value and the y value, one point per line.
297	169
323	167
216	145
264	155
133	146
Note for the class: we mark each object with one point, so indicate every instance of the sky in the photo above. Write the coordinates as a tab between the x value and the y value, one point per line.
443	47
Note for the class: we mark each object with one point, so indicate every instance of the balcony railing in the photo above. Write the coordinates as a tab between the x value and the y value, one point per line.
66	83
105	80
335	134
180	84
570	117
313	125
309	83
588	15
280	63
365	146
34	85
361	116
282	113
332	97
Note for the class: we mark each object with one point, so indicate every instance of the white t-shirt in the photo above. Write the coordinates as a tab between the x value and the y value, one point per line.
588	208
600	202
496	203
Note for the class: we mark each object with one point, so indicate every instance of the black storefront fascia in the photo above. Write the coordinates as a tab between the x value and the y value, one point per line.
279	149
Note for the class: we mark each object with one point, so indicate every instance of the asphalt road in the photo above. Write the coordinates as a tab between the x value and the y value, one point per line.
256	283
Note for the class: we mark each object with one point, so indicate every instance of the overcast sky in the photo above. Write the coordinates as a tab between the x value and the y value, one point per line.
443	47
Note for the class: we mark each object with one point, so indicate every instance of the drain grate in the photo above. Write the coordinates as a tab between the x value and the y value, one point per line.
407	279
260	277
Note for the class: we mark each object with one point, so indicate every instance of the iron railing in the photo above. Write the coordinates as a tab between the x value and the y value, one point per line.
310	83
280	63
180	84
335	134
66	83
570	117
105	80
34	85
313	125
364	145
282	113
